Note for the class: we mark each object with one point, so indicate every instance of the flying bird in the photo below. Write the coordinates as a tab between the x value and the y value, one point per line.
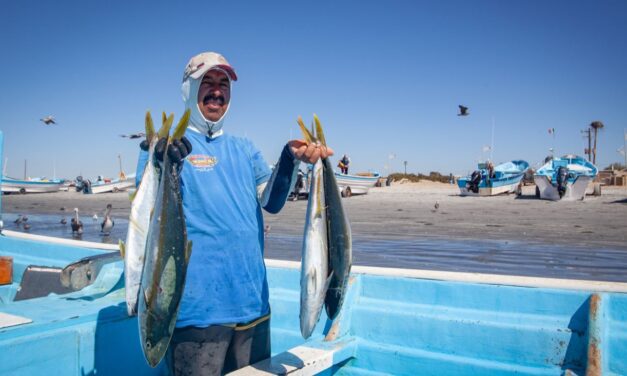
463	111
48	120
133	135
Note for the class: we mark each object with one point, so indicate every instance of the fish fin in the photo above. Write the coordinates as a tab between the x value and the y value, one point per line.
150	127
188	251
319	133
179	131
122	248
328	282
164	117
165	128
308	136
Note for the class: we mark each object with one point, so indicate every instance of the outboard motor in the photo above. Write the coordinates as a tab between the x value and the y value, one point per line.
79	183
561	179
475	180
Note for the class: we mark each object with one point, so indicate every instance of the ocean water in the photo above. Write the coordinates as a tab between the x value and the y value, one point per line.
432	253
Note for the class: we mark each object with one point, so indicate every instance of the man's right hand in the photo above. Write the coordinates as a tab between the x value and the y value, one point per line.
178	149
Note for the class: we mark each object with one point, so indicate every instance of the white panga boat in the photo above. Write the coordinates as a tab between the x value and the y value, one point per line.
11	185
358	184
116	185
565	178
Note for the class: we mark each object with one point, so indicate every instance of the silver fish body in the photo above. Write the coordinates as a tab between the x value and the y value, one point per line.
314	263
340	243
137	234
165	263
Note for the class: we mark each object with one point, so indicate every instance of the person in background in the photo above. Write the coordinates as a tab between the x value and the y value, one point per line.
223	322
343	164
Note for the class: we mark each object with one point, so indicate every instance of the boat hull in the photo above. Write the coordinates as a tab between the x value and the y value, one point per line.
26	186
357	184
489	191
575	190
113	187
451	323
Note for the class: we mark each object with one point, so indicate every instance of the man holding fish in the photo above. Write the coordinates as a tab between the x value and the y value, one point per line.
224	317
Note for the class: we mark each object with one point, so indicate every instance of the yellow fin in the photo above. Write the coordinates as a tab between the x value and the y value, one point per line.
308	136
150	127
188	251
122	248
319	133
165	128
179	131
132	195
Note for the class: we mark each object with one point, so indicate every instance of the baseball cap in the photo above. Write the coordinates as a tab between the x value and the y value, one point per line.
201	63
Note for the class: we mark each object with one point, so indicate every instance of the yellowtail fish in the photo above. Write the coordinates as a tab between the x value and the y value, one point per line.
141	208
166	260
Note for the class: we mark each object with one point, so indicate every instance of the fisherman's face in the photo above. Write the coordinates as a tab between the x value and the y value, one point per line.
214	94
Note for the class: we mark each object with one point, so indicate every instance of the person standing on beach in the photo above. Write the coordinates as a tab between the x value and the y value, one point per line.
224	319
344	162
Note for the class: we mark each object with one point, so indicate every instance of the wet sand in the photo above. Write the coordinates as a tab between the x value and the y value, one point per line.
398	226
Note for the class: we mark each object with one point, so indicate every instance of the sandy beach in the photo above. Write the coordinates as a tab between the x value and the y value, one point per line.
398	226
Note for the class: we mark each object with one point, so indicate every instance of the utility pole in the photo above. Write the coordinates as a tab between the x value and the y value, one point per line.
588	151
596	125
405	162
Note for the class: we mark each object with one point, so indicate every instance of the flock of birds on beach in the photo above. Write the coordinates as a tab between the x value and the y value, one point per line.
75	222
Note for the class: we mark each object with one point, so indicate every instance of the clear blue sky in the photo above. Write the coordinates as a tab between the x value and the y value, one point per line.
385	77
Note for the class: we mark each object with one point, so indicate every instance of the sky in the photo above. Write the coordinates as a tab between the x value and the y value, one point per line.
384	77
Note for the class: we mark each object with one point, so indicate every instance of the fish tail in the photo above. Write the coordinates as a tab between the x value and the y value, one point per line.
319	132
179	131
150	127
122	248
308	135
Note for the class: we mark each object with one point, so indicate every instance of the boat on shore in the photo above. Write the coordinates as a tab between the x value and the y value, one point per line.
565	178
12	185
358	184
104	186
486	181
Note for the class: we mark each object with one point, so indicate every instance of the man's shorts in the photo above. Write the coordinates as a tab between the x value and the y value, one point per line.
219	349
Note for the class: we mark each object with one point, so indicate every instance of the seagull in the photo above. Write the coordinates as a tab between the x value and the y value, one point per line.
77	225
133	135
463	111
94	217
266	230
26	226
48	120
19	220
108	223
437	205
24	218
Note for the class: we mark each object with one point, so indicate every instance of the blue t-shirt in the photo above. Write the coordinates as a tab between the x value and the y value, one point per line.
226	277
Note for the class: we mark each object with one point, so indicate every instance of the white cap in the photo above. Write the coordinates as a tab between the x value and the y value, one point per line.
201	63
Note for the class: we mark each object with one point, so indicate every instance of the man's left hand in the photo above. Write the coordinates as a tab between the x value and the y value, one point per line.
309	152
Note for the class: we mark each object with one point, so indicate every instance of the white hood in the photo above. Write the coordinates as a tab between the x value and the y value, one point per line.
197	121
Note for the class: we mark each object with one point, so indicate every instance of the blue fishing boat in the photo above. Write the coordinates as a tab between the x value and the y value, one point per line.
565	178
491	181
64	313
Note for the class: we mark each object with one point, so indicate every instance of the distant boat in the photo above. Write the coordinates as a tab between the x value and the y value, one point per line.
12	185
356	184
104	186
565	178
505	178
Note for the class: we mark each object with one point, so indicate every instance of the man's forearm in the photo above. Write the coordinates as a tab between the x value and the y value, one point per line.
281	182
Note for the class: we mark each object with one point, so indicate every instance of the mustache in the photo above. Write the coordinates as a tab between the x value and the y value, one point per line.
213	98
